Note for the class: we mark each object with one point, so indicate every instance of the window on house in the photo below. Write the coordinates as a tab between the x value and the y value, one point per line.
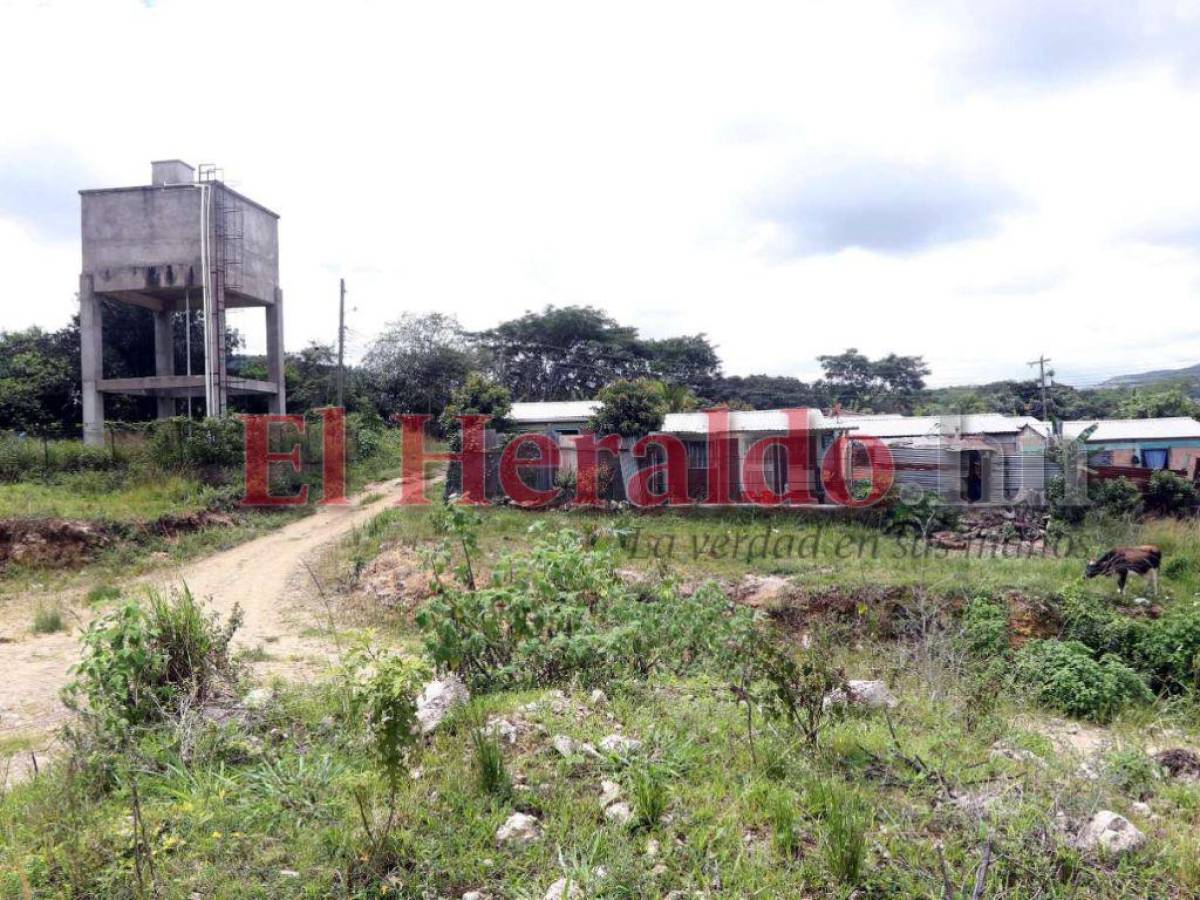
1155	459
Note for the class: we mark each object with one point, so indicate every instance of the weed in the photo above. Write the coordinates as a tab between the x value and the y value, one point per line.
844	841
103	593
649	791
785	823
47	619
1063	675
490	772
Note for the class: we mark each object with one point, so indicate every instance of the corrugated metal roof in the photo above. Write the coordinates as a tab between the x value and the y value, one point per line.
748	421
554	411
921	426
677	423
1134	429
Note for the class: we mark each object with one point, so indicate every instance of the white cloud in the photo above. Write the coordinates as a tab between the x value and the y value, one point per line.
483	159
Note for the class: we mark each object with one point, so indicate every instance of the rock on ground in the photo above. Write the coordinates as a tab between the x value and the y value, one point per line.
1110	833
619	813
1180	763
874	694
563	889
519	828
610	791
563	744
618	743
437	699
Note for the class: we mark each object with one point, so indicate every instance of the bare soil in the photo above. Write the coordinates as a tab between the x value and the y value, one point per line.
266	577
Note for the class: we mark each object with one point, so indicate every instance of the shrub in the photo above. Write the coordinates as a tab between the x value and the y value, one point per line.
785	683
556	612
1116	497
985	628
141	664
384	688
1131	771
630	408
182	442
47	619
1065	505
1170	495
1063	675
785	823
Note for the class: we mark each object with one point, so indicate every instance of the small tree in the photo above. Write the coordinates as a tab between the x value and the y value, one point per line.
1117	496
630	408
479	395
1170	495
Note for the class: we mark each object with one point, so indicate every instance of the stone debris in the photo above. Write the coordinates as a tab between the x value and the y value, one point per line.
1110	833
437	699
502	729
874	694
1005	750
620	813
619	744
563	889
598	697
610	792
563	744
519	829
258	698
1140	809
476	895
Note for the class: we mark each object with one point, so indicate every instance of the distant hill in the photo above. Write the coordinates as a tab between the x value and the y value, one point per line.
1191	374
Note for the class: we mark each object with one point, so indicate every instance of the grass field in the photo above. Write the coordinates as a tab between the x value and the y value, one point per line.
281	799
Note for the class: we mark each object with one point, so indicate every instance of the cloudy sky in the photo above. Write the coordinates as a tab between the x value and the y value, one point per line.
976	182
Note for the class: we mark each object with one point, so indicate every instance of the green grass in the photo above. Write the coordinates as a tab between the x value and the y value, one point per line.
105	496
47	619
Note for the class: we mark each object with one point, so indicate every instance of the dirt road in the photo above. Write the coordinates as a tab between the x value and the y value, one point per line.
266	577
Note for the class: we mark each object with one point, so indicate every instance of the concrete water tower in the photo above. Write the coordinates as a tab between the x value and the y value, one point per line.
184	242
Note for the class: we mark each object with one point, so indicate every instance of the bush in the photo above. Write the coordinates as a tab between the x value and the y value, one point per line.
557	612
1063	675
1116	497
630	408
1170	495
182	442
47	619
26	458
142	664
985	628
1131	771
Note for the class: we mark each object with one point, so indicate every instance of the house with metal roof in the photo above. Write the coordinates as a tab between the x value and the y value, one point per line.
1163	443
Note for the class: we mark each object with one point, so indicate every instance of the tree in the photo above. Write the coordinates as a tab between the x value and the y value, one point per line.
766	392
630	408
689	361
1169	495
889	384
479	395
1142	404
561	353
39	382
417	363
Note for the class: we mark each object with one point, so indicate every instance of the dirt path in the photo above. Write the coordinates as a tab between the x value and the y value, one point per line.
266	577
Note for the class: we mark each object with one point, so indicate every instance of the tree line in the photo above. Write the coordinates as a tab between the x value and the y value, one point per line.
420	361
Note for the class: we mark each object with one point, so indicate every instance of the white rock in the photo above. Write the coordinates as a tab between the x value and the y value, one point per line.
437	699
563	889
519	829
600	872
874	694
563	744
258	698
609	792
476	895
1140	809
501	728
619	813
598	697
588	750
288	873
618	743
1111	833
652	848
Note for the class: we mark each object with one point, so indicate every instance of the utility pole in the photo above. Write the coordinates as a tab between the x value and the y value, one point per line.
1040	362
341	370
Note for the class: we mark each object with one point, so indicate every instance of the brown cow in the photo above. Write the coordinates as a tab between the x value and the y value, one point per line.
1121	561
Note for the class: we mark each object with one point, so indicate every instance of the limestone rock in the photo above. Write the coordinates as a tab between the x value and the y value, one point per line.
620	813
874	694
519	829
564	889
437	699
1110	833
619	744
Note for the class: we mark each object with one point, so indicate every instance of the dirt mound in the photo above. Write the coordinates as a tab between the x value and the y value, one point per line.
1030	618
396	579
50	542
1180	763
